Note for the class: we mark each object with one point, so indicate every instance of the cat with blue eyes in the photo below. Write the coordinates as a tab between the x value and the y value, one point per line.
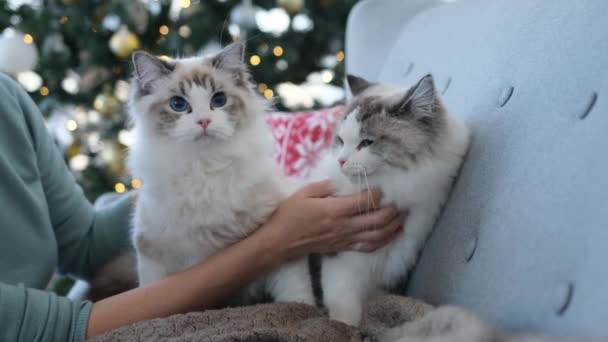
205	157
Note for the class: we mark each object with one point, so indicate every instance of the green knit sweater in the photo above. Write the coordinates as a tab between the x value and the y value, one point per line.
46	224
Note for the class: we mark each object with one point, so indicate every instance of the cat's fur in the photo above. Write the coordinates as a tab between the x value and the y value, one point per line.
206	184
416	149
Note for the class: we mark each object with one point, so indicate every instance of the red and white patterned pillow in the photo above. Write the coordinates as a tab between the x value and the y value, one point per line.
301	137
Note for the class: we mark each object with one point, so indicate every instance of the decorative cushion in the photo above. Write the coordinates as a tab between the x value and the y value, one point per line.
301	137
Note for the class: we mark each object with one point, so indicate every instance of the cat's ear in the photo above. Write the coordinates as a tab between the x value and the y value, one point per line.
149	68
357	84
420	102
230	58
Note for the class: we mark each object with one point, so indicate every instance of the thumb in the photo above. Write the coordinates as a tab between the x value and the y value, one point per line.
318	189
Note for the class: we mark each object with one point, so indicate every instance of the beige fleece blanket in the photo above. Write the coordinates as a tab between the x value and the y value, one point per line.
388	318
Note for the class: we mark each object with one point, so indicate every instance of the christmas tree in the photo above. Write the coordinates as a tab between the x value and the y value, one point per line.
73	57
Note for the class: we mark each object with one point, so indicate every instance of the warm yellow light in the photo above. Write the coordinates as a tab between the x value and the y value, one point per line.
120	188
28	39
340	56
71	125
136	183
255	60
277	51
185	3
63	20
164	57
44	91
262	87
164	30
268	93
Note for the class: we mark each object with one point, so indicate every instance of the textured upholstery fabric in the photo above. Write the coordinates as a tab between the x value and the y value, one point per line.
523	238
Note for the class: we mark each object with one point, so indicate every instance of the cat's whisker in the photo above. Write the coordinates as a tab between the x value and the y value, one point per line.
369	195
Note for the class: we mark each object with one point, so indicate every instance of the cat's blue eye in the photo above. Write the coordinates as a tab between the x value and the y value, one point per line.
365	143
218	100
179	104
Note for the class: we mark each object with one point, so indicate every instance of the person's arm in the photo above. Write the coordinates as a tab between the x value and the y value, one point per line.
306	222
35	315
86	238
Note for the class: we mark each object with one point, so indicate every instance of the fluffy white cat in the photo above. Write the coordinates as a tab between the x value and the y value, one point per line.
404	142
205	157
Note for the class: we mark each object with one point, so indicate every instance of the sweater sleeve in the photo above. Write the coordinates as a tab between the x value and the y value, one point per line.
86	238
41	316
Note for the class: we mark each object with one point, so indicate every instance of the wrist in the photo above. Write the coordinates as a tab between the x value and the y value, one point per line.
269	244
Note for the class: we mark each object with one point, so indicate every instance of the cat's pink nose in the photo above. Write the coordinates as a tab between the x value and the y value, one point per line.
204	123
341	161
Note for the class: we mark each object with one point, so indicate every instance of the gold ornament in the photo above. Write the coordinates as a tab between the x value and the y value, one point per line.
124	42
74	149
113	157
291	6
106	103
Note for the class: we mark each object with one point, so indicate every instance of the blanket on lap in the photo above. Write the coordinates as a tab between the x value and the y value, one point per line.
388	318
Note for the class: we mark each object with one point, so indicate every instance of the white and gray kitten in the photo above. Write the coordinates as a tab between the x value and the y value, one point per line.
404	142
205	157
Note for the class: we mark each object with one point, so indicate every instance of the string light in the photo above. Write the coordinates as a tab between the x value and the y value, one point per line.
340	56
255	60
185	3
164	57
327	76
136	183
63	20
79	162
164	30
28	39
44	91
282	65
185	31
268	93
278	51
262	87
120	188
72	125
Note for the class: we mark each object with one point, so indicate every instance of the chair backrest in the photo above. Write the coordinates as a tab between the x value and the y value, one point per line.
523	238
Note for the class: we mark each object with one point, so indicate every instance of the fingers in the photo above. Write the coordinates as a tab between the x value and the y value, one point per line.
371	240
318	189
373	220
369	247
356	203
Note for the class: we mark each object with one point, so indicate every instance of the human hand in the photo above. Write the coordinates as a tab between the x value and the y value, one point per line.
310	221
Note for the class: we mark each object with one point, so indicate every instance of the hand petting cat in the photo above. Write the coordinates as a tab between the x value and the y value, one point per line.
312	221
